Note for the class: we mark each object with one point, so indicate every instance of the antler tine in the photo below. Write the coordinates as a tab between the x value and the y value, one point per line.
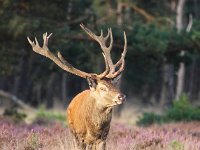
59	60
121	60
108	34
111	39
46	39
124	51
107	68
102	42
89	32
112	67
101	33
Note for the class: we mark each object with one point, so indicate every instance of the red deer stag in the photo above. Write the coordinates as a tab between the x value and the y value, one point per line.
89	113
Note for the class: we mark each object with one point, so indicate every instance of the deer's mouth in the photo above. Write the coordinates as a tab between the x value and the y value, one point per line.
120	101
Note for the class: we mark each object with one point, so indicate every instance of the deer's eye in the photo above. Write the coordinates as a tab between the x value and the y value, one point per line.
103	89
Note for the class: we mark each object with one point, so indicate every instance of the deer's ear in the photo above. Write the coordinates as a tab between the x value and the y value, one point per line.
92	82
116	80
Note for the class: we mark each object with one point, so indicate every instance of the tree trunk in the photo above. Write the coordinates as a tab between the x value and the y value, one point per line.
181	70
119	13
192	79
64	87
38	93
179	15
196	10
180	80
167	94
173	5
16	84
50	88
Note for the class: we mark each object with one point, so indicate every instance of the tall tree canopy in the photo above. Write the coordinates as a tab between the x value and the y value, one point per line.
154	46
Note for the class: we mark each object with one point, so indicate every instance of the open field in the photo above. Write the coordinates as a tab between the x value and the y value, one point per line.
174	136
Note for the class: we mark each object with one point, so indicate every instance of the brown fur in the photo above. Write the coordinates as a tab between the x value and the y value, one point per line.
89	120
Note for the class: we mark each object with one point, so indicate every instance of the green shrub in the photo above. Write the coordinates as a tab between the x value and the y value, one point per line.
49	116
181	110
149	118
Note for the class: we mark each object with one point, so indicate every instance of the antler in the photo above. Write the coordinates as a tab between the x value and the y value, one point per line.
110	70
121	60
59	60
110	67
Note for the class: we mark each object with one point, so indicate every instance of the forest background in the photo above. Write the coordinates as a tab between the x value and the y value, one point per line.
162	61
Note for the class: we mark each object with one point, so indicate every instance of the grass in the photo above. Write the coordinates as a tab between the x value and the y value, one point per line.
173	136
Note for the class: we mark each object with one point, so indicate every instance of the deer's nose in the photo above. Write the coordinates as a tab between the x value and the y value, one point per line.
122	97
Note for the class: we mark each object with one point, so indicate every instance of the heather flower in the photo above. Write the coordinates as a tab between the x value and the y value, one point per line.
178	136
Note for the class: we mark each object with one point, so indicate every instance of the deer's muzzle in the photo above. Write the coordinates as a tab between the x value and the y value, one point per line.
121	98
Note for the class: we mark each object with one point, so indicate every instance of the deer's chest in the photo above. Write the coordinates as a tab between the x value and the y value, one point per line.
99	124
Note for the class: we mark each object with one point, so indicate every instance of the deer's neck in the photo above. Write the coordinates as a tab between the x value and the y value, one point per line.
98	112
97	104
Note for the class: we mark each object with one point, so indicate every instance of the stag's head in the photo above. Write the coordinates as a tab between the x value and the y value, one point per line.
104	87
106	92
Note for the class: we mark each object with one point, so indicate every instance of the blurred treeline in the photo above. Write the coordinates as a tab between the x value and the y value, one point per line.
163	56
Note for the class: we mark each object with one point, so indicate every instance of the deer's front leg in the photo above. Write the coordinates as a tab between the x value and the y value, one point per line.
101	145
